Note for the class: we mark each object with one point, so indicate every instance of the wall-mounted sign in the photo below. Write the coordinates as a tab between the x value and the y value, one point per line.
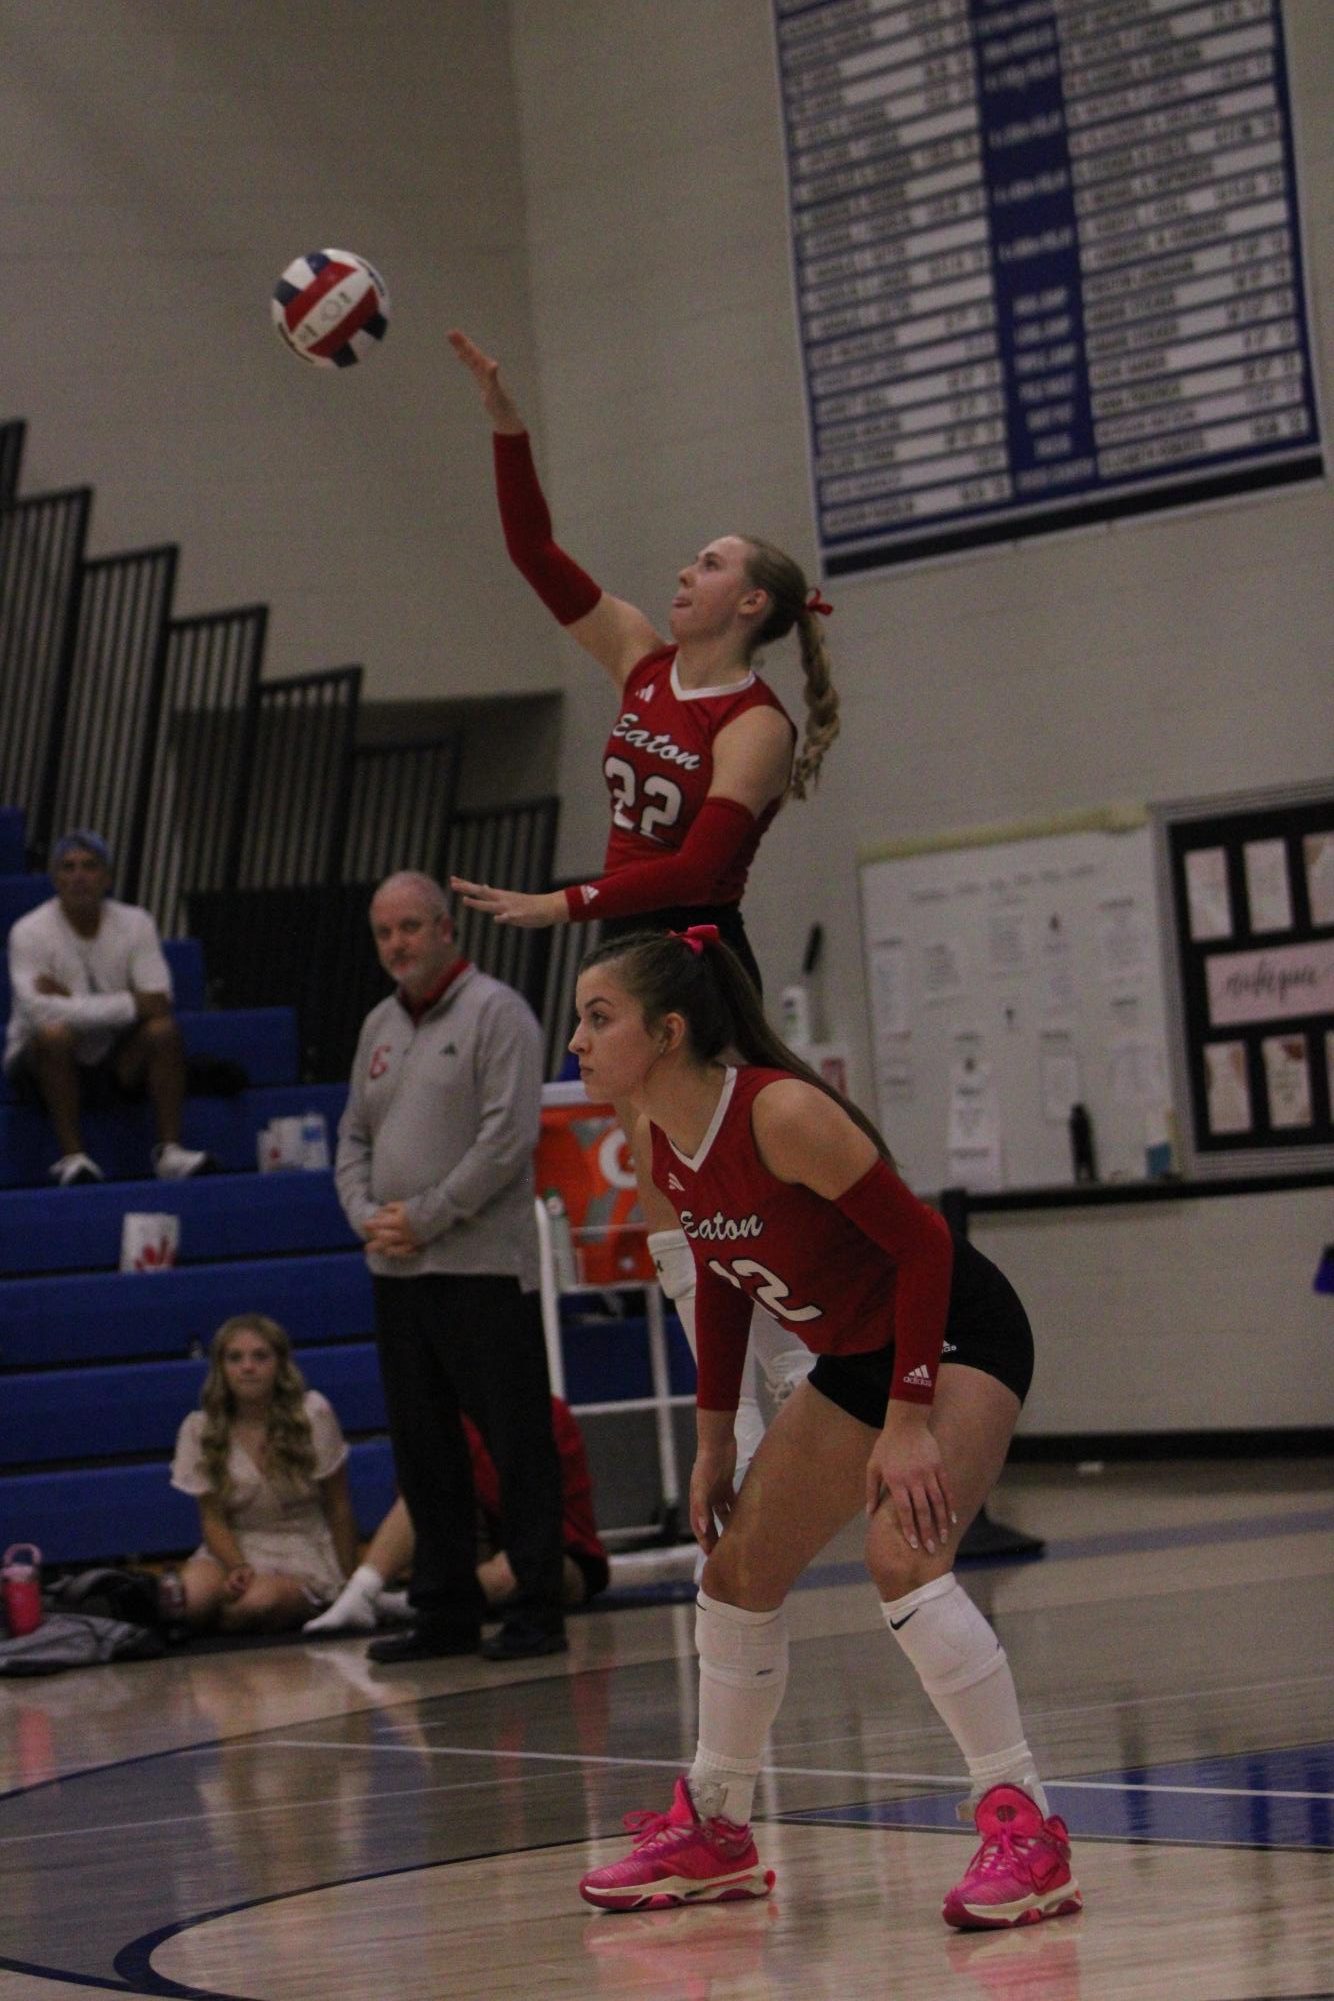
1047	262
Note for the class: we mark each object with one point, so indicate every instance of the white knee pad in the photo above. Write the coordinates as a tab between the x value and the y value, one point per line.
742	1650
944	1636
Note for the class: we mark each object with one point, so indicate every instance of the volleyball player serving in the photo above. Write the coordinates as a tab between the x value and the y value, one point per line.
701	756
789	1199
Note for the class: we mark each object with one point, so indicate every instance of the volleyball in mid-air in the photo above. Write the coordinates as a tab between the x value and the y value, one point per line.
331	308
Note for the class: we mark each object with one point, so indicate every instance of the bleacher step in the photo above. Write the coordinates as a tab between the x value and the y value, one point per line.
101	1514
79	1317
85	1414
121	1141
222	1216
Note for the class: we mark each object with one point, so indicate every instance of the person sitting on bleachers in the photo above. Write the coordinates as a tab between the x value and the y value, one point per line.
266	1459
365	1598
91	1019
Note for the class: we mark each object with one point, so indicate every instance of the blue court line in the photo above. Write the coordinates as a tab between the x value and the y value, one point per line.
1126	1542
1196	1535
1249	1799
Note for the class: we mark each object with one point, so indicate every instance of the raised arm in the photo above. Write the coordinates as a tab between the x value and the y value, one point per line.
615	633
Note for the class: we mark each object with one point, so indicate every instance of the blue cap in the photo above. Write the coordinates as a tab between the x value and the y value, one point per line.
85	838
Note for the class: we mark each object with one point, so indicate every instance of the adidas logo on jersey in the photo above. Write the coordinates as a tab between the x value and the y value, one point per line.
920	1377
672	1182
588	890
648	692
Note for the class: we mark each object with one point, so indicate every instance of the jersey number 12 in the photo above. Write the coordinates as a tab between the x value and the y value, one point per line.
772	1293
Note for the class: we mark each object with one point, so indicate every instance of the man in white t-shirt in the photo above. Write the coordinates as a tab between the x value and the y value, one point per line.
90	1019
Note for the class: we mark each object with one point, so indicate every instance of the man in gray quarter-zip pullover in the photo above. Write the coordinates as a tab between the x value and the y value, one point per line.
435	1171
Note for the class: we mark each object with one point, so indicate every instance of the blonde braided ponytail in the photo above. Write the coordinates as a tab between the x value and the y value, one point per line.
793	603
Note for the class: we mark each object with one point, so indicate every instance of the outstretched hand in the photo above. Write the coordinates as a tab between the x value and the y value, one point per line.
527	912
485	372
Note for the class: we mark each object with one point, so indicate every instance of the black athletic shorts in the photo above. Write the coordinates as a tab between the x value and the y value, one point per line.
100	1088
986	1328
727	916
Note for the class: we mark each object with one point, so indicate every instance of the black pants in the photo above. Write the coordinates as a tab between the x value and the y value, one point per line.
461	1343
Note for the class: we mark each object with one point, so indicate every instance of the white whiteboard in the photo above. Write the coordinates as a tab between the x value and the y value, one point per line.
1008	978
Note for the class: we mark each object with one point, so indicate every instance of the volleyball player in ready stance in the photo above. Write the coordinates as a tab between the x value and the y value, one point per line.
924	1354
700	758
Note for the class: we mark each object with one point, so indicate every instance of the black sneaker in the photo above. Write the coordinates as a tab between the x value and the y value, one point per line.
422	1643
521	1641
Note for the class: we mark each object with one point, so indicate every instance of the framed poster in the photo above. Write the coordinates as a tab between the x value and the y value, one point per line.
1247	885
1047	261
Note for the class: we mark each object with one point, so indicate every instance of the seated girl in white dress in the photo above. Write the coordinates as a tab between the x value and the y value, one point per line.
266	1460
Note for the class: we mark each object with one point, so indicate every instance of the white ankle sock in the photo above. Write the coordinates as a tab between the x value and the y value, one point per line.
962	1666
742	1676
353	1610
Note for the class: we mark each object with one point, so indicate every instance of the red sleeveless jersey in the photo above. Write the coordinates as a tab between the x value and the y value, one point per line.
774	1243
659	764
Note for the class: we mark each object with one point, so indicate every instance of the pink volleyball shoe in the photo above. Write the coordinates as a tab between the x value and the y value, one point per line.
1021	1873
679	1859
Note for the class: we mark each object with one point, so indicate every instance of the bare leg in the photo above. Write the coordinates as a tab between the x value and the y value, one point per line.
390	1548
269	1604
201	1582
154	1054
51	1053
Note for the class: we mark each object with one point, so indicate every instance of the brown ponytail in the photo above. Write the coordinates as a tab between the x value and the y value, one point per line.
716	997
789	594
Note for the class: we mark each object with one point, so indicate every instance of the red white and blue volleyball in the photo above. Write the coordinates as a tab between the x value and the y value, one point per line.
331	308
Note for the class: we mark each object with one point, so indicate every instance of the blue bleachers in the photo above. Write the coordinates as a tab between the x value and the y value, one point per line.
98	1367
13	841
105	1316
120	1141
48	1410
95	1514
223	1216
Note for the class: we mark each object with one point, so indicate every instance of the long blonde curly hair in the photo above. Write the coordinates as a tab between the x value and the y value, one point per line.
771	570
291	1445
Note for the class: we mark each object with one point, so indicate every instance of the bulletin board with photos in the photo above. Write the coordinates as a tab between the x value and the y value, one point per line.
1014	973
1247	885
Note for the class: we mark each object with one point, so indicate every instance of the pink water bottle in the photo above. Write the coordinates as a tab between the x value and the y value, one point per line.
21	1587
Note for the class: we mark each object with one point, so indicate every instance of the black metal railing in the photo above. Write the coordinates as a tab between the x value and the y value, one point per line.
514	847
12	434
569	943
298	790
401	807
41	569
95	774
196	767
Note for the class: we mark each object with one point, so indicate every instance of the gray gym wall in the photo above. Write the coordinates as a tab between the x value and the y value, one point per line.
594	188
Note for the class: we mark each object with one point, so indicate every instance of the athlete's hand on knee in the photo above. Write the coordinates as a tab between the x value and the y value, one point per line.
906	1470
712	1496
485	372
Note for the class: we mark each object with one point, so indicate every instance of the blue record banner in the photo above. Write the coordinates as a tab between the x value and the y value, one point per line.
1048	264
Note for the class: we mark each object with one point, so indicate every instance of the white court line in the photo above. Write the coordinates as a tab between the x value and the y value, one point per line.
554	1758
1049	1713
773	1771
249	1812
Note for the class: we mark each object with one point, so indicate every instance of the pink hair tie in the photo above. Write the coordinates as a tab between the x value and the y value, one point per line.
697	937
818	604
